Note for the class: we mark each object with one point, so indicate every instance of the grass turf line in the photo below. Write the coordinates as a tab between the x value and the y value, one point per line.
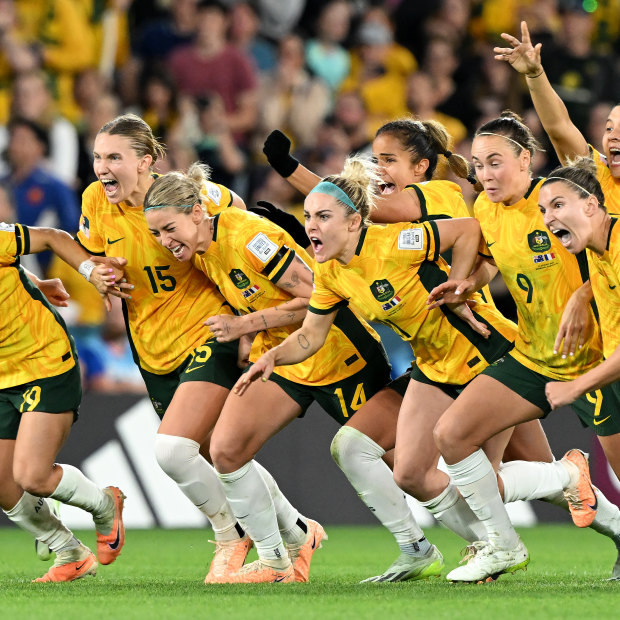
160	575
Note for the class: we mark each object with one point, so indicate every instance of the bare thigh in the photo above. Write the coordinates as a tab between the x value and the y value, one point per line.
39	439
485	408
194	410
528	443
248	421
416	456
378	418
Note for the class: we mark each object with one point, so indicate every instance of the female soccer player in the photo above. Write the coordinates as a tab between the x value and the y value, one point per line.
40	393
566	138
541	277
385	271
188	375
265	276
573	206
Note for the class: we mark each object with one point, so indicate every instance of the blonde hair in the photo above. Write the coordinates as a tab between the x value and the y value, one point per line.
178	190
358	181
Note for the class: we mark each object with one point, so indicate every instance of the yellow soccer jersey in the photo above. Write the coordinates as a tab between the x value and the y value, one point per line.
609	185
541	276
35	342
605	280
389	279
171	299
439	200
246	258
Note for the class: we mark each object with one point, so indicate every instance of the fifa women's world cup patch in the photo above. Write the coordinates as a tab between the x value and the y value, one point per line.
262	247
411	239
7	227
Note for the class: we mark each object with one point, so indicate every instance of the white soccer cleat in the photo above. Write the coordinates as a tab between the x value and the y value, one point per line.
411	568
486	563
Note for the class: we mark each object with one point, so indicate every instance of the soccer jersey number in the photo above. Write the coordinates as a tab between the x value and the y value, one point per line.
359	398
200	356
166	282
31	399
525	284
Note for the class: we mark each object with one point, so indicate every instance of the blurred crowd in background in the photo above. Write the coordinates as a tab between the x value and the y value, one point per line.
214	78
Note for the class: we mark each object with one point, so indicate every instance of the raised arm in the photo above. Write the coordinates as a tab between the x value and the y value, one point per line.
299	346
567	140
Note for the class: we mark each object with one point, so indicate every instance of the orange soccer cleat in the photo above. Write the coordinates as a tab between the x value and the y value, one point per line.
580	494
258	572
71	565
228	559
109	545
301	555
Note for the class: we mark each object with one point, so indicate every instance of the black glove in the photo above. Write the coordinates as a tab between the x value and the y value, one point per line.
284	220
277	148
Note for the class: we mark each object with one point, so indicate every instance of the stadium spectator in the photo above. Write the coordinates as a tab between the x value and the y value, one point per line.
212	64
40	198
291	97
325	54
32	99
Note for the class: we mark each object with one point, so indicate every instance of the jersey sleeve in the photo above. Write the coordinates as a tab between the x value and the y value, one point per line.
88	235
14	242
268	251
215	197
323	300
416	243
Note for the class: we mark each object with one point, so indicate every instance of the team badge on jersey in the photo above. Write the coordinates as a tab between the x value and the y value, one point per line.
382	290
262	247
539	241
239	279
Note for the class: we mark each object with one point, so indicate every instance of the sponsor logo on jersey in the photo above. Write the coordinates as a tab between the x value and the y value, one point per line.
541	258
382	290
239	279
539	241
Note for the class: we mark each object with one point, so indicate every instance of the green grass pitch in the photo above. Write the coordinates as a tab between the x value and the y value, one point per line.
160	575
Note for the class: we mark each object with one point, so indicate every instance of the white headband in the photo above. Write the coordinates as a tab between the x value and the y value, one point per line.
499	135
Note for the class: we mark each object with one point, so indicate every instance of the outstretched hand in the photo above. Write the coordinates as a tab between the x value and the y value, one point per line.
262	368
523	56
55	292
450	292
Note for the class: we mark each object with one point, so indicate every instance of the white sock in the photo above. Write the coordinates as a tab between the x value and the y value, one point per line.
252	505
477	482
292	525
360	458
607	519
525	480
180	458
33	515
452	511
76	489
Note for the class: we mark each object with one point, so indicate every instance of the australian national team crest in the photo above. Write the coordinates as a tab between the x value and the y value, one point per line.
539	241
239	279
383	291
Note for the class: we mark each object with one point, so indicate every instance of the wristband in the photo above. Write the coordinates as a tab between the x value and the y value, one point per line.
86	268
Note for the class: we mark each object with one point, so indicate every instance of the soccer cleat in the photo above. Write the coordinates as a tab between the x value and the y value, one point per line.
43	551
411	568
71	565
301	555
258	572
486	563
579	494
109	545
228	558
615	573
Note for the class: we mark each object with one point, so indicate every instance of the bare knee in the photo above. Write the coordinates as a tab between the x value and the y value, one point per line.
228	453
418	481
35	481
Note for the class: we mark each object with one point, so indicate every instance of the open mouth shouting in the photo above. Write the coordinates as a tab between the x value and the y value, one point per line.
563	235
110	186
385	187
